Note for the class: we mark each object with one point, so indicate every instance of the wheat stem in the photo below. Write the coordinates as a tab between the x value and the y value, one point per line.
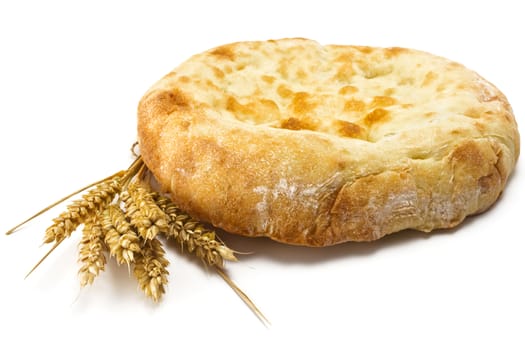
120	173
132	171
243	297
44	257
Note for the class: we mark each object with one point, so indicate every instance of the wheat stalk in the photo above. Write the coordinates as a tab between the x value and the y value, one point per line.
128	229
150	269
91	252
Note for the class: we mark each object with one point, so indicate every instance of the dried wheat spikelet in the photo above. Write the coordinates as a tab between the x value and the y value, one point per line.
80	210
150	269
145	214
193	236
91	252
120	238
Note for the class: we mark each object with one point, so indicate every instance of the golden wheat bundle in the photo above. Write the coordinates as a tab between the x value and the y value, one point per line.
122	217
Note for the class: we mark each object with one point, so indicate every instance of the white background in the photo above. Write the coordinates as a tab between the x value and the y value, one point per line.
70	79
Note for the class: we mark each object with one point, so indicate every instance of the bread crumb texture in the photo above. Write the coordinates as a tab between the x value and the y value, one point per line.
318	145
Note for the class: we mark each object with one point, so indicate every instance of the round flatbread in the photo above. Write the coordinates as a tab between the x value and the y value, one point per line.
317	145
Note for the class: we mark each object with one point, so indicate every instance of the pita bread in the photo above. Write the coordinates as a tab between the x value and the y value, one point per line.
317	145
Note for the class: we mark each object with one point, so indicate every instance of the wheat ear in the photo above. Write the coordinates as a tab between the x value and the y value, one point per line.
91	252
121	239
150	269
143	212
78	211
193	236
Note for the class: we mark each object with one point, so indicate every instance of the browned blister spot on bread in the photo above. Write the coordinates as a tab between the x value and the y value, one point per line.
224	52
348	90
345	72
382	101
184	79
219	74
474	112
364	49
302	103
354	105
258	111
239	110
298	124
349	129
376	117
284	92
430	77
395	51
268	79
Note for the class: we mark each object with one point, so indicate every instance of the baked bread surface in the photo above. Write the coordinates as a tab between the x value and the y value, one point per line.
317	145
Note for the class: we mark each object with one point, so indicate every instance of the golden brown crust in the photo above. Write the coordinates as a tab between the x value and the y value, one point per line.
317	145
